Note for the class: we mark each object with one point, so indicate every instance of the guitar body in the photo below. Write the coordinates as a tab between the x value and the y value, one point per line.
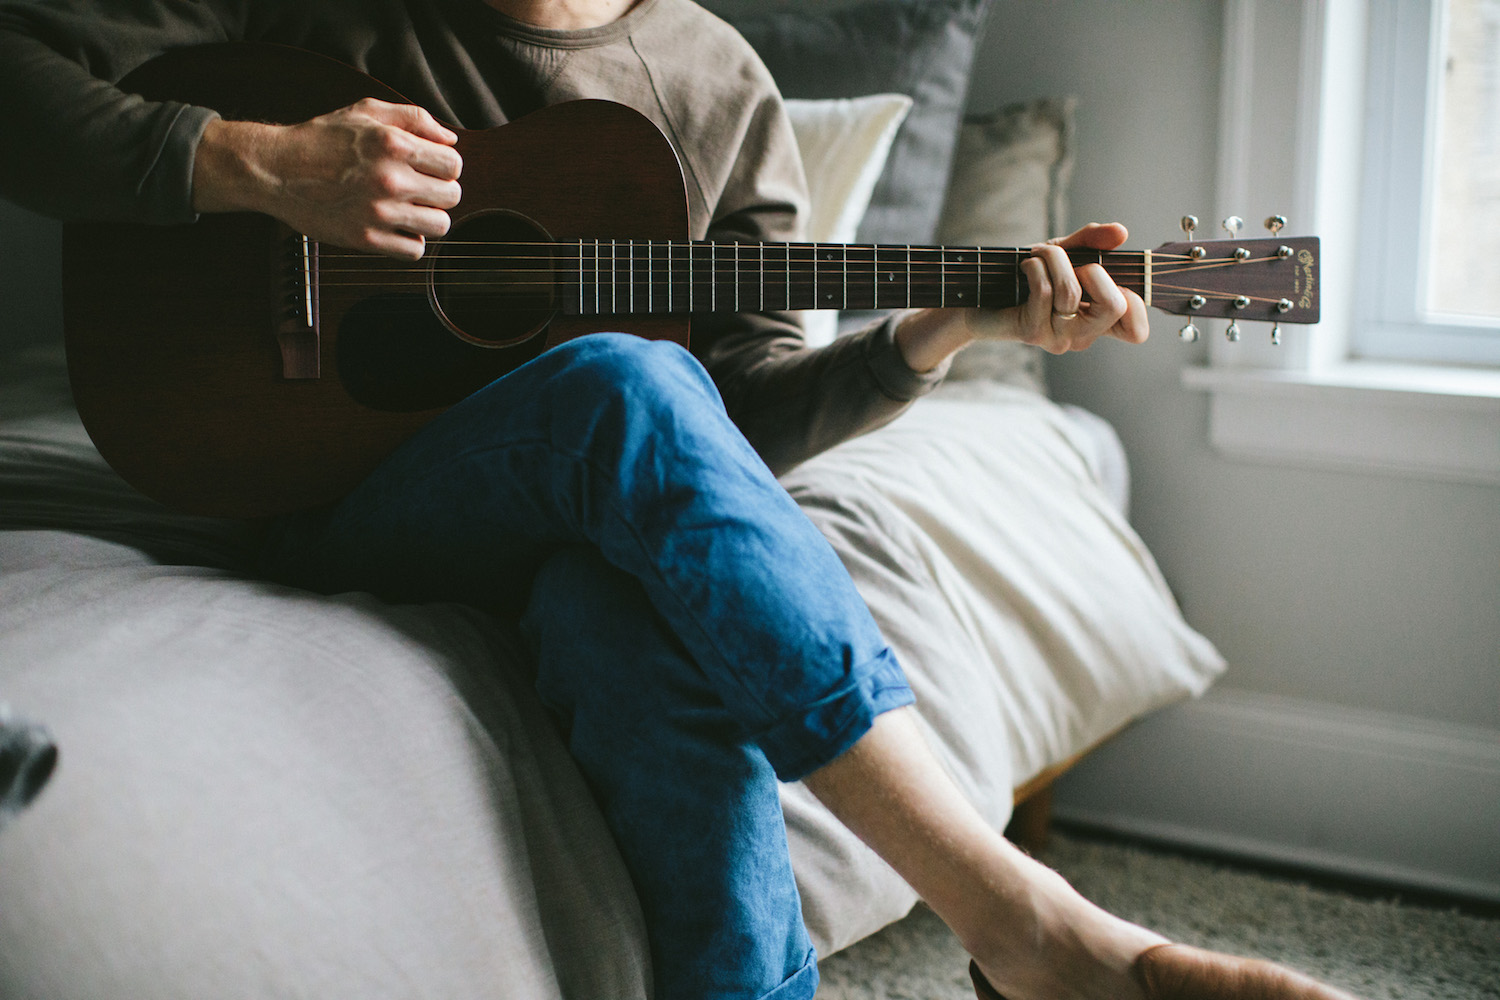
226	368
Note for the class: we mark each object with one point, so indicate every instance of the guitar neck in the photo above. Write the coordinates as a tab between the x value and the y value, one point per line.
623	277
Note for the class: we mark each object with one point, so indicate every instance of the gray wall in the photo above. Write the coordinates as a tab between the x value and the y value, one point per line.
1366	597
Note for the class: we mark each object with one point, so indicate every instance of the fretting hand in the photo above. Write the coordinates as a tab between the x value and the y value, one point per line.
1055	316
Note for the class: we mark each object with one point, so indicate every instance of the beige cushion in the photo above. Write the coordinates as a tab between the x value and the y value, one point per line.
1030	619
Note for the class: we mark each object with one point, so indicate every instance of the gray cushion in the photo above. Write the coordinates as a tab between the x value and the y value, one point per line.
1009	189
837	48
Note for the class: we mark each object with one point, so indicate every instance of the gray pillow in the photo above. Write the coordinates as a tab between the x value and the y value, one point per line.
849	48
1009	189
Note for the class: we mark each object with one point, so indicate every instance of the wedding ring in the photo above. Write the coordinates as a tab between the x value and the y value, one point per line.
1072	315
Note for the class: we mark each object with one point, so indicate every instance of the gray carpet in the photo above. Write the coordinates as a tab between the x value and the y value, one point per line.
1377	949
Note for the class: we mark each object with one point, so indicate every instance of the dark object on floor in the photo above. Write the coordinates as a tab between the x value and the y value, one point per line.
27	759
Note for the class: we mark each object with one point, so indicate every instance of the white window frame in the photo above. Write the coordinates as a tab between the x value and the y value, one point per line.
1293	117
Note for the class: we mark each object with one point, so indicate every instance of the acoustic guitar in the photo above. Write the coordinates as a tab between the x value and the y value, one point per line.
233	367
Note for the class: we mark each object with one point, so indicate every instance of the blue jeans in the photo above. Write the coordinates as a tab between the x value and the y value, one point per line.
695	635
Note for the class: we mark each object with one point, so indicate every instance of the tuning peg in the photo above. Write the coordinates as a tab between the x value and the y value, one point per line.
1189	223
1189	332
1232	332
1284	305
1233	225
1274	223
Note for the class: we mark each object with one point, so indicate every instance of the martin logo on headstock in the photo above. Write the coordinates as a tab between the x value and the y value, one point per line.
1274	280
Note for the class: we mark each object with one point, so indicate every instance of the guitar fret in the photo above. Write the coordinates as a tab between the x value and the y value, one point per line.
762	277
788	276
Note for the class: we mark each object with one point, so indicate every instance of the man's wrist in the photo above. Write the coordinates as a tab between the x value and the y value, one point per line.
928	337
227	174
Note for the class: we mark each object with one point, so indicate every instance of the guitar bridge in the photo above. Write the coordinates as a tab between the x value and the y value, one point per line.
295	298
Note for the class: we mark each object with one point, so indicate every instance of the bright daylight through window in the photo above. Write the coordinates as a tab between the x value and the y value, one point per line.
1463	276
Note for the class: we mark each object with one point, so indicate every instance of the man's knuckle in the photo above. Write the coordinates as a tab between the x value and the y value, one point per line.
387	182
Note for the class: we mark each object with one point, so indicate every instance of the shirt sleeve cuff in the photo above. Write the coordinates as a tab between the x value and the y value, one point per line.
169	183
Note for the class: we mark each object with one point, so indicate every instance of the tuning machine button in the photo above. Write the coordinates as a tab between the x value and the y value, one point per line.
1275	223
1190	223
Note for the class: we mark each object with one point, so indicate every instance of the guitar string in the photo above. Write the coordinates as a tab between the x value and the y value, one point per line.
805	287
384	265
747	275
937	269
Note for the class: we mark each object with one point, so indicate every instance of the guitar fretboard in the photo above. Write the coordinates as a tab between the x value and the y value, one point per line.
617	277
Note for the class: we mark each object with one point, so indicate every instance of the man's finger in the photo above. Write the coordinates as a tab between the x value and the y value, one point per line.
416	120
435	160
1094	236
1066	292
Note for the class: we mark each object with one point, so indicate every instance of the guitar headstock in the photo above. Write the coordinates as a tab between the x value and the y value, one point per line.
1272	280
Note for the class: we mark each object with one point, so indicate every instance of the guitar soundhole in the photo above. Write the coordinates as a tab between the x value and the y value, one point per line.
494	279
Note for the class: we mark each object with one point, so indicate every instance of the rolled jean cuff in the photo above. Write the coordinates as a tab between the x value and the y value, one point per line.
805	742
800	985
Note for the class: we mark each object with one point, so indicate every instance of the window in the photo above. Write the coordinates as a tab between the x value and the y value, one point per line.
1466	192
1345	116
1429	286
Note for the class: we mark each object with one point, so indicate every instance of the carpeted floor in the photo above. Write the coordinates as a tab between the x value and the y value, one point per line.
1377	949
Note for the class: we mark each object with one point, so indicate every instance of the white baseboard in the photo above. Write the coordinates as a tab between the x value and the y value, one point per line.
1371	795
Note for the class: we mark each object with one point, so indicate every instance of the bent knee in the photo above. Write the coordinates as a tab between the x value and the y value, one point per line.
626	366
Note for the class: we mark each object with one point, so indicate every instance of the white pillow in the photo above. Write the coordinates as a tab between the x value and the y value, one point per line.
844	144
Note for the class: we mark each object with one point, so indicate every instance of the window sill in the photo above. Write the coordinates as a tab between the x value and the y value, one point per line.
1428	422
